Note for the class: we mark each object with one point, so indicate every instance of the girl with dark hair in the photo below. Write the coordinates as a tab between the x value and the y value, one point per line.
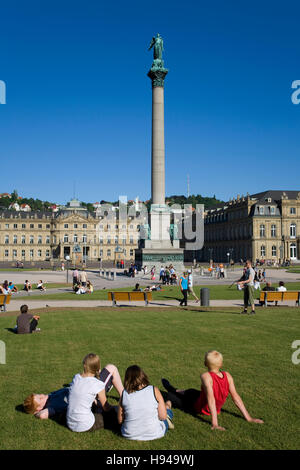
142	413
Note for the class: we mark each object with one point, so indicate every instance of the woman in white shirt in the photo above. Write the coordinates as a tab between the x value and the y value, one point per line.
143	414
85	388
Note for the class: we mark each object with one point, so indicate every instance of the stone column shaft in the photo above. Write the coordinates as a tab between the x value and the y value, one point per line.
158	147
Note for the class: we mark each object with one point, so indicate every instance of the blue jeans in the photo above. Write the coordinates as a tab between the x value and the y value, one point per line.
170	415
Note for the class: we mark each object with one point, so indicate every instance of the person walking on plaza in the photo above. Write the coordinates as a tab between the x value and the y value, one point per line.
75	277
183	283
248	285
83	278
190	285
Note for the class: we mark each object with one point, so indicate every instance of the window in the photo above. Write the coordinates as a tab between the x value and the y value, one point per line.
274	250
6	253
124	240
47	225
273	230
101	240
293	210
23	253
75	225
6	239
131	226
108	253
101	227
47	253
31	225
116	240
6	225
84	225
54	239
84	238
31	253
101	253
40	226
108	227
108	240
66	226
39	253
293	230
116	226
272	210
293	251
75	238
124	226
262	231
66	238
48	239
31	240
261	210
15	225
15	254
15	239
39	239
131	240
23	240
23	225
131	252
262	251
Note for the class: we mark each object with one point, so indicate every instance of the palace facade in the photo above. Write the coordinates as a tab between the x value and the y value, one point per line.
70	232
262	226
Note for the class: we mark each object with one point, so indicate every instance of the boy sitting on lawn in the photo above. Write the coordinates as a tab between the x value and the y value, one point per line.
216	385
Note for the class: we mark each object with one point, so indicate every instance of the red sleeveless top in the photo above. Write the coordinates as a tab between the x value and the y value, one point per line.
220	389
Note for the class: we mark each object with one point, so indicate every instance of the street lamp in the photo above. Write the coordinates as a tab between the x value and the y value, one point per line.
68	261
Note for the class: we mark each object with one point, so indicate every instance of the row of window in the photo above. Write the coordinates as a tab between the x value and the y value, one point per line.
66	239
262	231
23	239
293	251
32	253
38	253
39	226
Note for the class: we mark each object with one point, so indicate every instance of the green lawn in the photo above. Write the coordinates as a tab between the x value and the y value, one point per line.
217	292
167	342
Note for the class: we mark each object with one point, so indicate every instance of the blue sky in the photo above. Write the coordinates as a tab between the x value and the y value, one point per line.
78	109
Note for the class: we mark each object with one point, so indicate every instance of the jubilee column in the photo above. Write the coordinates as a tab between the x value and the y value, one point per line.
160	244
157	74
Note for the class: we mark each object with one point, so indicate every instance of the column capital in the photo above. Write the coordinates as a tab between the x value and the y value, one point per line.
157	73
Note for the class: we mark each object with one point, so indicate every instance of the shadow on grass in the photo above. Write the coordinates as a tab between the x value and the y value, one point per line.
11	330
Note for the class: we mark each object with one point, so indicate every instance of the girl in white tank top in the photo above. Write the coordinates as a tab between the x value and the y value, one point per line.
143	414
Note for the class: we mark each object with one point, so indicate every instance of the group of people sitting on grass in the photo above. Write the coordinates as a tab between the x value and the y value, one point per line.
142	414
28	286
79	288
8	288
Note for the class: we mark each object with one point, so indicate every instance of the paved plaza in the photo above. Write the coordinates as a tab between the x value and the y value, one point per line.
121	281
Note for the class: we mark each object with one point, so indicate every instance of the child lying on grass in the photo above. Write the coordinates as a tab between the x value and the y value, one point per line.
216	385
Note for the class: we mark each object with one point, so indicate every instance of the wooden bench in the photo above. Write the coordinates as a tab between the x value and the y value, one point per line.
130	296
4	300
273	296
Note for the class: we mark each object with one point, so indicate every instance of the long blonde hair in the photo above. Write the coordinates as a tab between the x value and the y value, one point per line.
91	364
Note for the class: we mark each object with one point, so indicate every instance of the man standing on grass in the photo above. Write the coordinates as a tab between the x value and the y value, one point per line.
184	288
248	285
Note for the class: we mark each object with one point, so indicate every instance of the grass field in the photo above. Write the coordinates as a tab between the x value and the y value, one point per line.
217	292
166	342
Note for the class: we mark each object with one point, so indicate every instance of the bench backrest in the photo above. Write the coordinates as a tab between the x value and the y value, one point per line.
129	295
279	296
5	299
